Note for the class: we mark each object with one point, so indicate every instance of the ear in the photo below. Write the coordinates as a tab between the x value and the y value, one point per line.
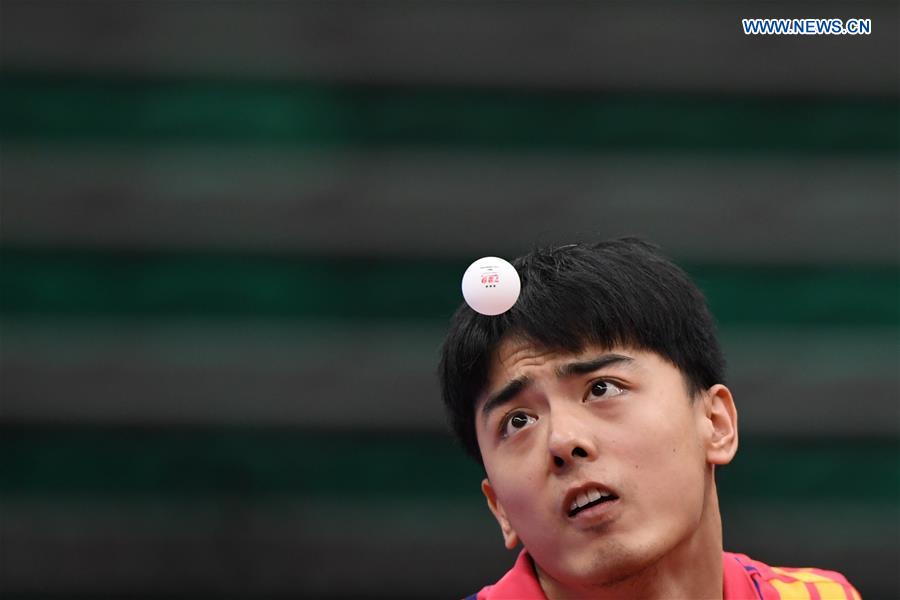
510	537
721	416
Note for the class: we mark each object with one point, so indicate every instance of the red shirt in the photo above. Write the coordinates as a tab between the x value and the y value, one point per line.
743	579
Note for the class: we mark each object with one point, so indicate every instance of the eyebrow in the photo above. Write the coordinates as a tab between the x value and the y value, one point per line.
516	386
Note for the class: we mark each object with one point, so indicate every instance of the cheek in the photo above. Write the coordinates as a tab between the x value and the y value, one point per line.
666	462
519	492
522	490
514	483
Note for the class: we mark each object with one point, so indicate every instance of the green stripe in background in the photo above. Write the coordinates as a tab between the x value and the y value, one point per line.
89	461
71	108
84	283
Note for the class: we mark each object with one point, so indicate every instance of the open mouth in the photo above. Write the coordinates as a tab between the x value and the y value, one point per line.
590	498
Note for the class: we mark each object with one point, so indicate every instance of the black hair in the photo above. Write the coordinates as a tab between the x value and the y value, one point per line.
620	292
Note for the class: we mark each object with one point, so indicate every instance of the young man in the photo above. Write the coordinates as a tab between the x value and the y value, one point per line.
597	407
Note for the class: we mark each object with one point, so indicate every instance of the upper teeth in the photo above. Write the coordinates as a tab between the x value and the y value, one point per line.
587	497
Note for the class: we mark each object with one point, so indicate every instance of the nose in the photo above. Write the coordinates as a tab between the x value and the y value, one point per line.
570	438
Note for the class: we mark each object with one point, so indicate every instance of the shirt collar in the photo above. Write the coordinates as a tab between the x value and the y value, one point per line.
521	581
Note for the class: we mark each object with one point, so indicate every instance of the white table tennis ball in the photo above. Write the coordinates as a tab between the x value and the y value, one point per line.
491	286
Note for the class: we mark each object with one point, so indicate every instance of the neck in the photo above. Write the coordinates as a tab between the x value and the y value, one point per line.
692	569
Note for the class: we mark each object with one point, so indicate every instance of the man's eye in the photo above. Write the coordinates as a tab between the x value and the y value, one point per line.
604	389
515	421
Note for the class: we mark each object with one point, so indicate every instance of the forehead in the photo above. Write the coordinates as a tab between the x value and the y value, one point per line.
515	354
517	365
514	351
515	358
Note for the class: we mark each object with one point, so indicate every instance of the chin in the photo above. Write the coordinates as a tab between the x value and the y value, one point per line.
610	565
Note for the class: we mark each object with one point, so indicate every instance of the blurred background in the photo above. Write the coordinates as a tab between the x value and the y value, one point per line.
233	234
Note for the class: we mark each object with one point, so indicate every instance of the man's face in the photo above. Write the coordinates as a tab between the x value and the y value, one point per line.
557	431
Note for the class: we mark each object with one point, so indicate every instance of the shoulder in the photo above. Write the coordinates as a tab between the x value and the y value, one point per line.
785	583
